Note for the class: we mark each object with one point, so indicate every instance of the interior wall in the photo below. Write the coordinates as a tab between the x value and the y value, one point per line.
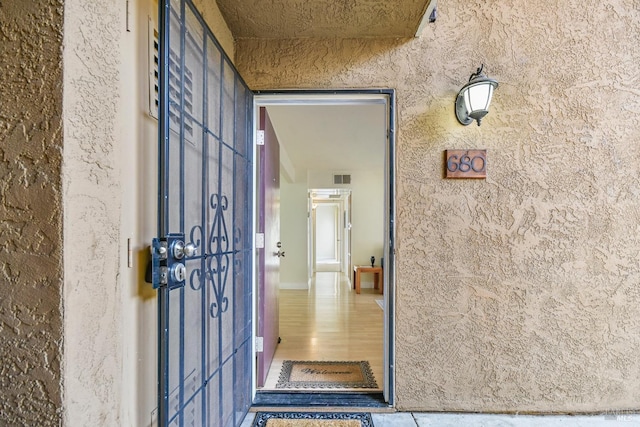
31	272
367	217
518	292
293	234
367	212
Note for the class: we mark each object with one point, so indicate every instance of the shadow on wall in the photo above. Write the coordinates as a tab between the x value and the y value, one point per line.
145	289
330	58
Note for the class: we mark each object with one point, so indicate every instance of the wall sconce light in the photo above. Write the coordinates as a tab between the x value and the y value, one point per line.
472	102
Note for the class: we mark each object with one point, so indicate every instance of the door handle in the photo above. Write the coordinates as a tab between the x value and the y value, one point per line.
180	250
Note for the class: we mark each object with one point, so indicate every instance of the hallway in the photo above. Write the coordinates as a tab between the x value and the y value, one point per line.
329	322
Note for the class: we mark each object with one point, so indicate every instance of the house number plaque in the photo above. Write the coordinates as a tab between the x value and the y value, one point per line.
466	164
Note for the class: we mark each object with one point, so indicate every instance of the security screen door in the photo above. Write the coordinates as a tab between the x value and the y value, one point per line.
202	259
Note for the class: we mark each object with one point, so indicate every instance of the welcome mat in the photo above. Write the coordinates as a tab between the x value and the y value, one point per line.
312	419
305	374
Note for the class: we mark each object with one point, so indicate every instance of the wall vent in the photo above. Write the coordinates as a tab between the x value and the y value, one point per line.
153	70
342	179
175	93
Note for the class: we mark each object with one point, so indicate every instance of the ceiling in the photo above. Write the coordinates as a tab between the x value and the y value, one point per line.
287	19
339	138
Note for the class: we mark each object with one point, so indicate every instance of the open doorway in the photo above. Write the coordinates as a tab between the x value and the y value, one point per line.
329	230
326	233
336	157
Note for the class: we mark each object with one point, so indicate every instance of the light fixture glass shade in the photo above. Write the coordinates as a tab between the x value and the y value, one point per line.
473	100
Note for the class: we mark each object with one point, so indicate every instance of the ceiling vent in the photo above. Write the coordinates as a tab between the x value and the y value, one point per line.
342	179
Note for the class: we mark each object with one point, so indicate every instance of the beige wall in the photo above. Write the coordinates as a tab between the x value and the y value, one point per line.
514	293
94	41
519	292
30	212
294	201
110	199
211	14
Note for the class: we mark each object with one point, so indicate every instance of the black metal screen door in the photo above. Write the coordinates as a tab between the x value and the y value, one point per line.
202	257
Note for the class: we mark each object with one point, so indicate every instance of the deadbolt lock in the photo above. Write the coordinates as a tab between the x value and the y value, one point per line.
179	272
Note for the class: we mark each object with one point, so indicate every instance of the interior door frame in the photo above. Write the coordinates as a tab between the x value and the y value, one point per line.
350	97
337	230
344	240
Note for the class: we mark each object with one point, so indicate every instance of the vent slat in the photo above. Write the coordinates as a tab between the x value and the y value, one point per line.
342	179
175	89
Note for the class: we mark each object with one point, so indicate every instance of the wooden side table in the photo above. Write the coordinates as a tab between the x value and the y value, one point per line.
377	272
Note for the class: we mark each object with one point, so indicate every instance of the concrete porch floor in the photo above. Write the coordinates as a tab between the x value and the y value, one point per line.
408	419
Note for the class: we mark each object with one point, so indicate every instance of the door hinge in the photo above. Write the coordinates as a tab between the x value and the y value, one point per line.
259	344
260	137
259	240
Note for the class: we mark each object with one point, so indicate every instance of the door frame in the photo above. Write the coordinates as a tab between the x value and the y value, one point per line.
349	97
337	232
344	241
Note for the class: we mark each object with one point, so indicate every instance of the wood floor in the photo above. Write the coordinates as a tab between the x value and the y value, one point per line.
329	322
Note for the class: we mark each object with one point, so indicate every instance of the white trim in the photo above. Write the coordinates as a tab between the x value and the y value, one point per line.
255	120
265	100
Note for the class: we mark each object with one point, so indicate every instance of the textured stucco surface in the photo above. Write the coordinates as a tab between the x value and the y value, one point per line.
520	292
283	19
30	212
93	39
214	19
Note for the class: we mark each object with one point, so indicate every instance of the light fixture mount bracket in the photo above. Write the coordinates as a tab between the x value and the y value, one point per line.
461	111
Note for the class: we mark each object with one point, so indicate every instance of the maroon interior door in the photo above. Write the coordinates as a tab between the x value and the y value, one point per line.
269	255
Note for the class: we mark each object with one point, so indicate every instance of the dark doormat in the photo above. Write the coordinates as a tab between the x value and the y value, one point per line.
323	375
319	399
313	419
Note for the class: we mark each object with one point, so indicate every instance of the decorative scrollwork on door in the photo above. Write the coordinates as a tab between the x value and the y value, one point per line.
196	237
218	265
216	258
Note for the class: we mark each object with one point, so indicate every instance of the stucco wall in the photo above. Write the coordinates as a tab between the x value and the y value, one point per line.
110	203
518	292
93	40
30	212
